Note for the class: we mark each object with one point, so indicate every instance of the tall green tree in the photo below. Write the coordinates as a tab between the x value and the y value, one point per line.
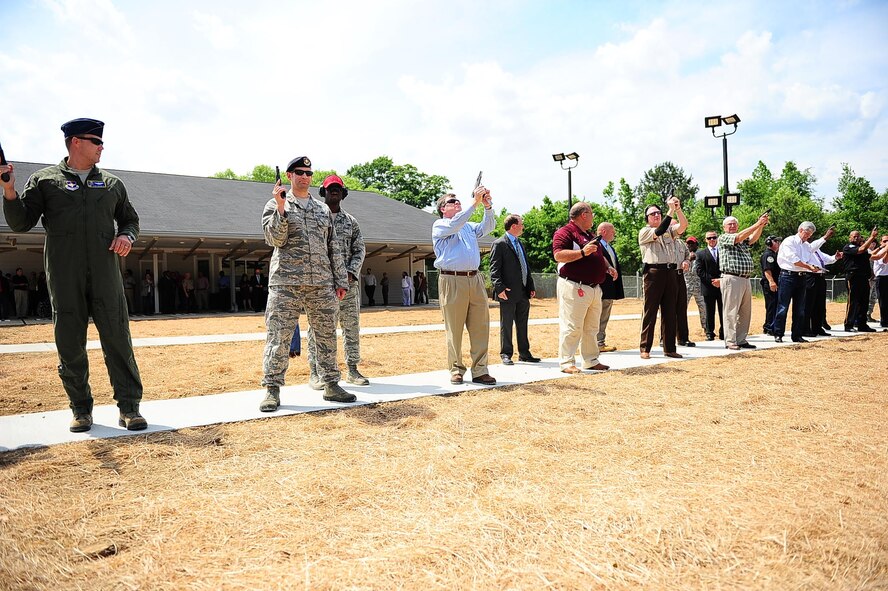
540	224
859	206
665	180
403	182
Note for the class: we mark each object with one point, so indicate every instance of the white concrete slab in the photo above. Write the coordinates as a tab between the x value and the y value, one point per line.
51	428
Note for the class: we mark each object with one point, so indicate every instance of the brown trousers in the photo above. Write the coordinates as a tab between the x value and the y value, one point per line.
660	291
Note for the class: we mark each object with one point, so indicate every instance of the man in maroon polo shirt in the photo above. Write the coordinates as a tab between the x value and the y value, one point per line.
581	271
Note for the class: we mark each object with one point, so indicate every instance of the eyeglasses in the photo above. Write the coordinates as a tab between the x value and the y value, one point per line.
301	172
654	213
712	238
94	140
451	201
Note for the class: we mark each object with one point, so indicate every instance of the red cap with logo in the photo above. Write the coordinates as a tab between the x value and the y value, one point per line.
332	180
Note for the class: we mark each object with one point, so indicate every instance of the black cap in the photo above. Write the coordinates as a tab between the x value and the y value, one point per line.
301	161
83	127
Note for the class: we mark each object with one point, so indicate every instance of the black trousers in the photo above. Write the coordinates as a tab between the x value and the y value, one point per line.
682	333
858	300
770	306
370	290
882	285
815	303
516	313
713	300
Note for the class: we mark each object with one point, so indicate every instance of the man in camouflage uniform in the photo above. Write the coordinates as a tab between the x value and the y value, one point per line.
89	223
350	245
692	282
307	272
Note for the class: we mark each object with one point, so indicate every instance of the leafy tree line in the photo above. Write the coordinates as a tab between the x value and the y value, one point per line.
403	182
790	196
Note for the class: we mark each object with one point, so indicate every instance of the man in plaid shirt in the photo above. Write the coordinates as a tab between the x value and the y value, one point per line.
736	266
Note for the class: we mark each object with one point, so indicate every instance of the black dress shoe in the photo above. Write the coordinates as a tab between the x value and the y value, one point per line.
849	328
809	334
710	337
823	333
778	339
747	346
687	344
530	359
507	360
799	340
826	326
865	328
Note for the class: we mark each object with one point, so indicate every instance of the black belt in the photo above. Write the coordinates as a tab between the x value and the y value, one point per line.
798	273
586	283
734	274
460	273
660	266
680	272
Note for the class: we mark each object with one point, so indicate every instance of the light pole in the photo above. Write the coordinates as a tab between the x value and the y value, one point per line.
721	128
561	159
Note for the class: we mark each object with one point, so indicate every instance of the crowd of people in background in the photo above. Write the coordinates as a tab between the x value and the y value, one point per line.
24	295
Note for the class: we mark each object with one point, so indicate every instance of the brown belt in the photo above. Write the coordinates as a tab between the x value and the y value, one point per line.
460	273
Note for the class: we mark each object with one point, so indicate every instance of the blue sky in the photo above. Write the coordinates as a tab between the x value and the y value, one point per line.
454	87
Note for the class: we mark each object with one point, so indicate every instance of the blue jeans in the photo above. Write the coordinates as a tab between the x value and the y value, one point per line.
790	287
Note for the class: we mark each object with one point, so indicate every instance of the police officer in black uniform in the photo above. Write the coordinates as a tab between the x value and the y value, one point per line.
770	280
89	223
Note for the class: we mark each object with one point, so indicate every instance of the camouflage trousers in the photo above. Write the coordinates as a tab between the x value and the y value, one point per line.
348	317
281	315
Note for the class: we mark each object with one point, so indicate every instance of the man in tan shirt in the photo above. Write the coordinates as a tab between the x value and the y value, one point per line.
657	240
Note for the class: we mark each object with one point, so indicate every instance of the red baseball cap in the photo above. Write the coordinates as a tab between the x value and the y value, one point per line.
332	180
692	239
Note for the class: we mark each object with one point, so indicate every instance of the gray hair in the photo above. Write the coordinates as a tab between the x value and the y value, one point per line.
729	219
809	226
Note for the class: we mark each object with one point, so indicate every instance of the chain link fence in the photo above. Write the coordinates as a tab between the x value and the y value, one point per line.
836	289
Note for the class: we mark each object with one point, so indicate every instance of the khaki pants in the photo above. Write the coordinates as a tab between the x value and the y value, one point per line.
737	302
464	304
578	319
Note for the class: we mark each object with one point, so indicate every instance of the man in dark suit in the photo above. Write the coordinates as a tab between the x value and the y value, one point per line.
710	284
258	290
611	289
512	288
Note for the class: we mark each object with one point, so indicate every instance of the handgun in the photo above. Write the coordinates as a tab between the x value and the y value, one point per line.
5	175
478	180
277	173
767	212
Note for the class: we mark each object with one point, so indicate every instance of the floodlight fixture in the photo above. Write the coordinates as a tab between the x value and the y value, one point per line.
731	119
712	201
713	121
571	160
732	199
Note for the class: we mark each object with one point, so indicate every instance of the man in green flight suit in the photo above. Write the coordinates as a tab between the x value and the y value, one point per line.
80	205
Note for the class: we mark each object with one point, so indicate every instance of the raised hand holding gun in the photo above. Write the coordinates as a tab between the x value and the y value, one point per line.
4	176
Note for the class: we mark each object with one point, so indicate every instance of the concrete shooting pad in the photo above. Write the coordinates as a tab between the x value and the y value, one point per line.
51	428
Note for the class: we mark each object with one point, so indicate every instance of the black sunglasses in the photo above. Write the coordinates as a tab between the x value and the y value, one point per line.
302	172
452	200
712	238
94	140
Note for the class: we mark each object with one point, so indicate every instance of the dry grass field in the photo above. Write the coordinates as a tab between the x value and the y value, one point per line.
766	470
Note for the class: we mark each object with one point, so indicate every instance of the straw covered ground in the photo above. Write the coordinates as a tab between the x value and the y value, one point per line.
767	470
